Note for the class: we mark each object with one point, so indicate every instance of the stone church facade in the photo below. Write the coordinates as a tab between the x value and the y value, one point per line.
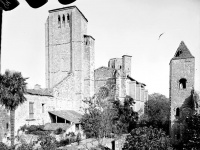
117	78
70	74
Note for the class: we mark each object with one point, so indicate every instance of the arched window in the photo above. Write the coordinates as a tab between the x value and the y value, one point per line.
182	83
177	112
59	21
63	18
67	17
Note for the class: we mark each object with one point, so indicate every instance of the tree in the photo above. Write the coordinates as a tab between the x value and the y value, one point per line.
12	90
158	111
147	138
191	133
126	118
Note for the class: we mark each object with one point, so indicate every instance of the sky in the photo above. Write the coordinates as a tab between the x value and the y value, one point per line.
120	27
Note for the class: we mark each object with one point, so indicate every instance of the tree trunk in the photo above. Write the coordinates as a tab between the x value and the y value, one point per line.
12	127
1	14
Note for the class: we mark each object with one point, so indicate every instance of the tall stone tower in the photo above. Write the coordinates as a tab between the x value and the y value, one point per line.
181	80
69	51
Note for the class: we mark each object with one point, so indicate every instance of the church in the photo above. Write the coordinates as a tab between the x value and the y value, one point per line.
71	76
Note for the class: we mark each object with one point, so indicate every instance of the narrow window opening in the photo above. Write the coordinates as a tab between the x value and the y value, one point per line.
67	17
42	108
59	21
31	111
177	112
7	126
182	83
63	19
120	67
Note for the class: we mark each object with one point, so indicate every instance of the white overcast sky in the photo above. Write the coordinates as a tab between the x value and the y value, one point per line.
120	27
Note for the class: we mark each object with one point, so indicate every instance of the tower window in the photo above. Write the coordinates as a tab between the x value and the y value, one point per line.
182	83
67	17
120	67
7	126
63	19
42	107
59	21
177	112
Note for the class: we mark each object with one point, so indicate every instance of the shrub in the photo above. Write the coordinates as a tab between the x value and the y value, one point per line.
3	146
25	147
47	142
58	131
63	142
144	138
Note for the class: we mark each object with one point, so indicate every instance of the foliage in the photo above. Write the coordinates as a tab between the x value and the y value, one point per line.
12	90
191	135
25	146
3	146
147	138
91	121
35	129
47	142
157	111
126	118
63	142
103	117
58	131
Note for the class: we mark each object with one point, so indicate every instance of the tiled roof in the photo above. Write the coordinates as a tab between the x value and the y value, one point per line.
54	126
103	67
142	84
40	92
182	52
69	115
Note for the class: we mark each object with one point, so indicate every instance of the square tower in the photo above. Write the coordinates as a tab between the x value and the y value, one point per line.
181	80
64	42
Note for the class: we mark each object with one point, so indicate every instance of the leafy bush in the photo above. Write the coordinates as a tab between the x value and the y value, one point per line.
191	135
25	147
35	129
3	146
144	138
63	142
58	131
47	142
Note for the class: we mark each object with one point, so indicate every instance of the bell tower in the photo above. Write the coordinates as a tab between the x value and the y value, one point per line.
181	80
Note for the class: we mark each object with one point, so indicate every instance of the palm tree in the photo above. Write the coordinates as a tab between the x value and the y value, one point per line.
12	90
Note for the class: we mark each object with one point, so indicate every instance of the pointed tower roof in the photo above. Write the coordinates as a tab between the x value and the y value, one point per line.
182	52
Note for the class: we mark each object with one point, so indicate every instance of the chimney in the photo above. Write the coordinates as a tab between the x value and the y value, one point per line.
37	87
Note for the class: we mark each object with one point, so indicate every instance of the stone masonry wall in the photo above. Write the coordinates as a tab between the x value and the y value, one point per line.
88	66
180	68
41	106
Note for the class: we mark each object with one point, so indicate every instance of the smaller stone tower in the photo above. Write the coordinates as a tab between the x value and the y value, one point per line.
181	82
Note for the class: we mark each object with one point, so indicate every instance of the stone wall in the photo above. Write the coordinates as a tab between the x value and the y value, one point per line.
180	68
101	76
65	28
41	106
